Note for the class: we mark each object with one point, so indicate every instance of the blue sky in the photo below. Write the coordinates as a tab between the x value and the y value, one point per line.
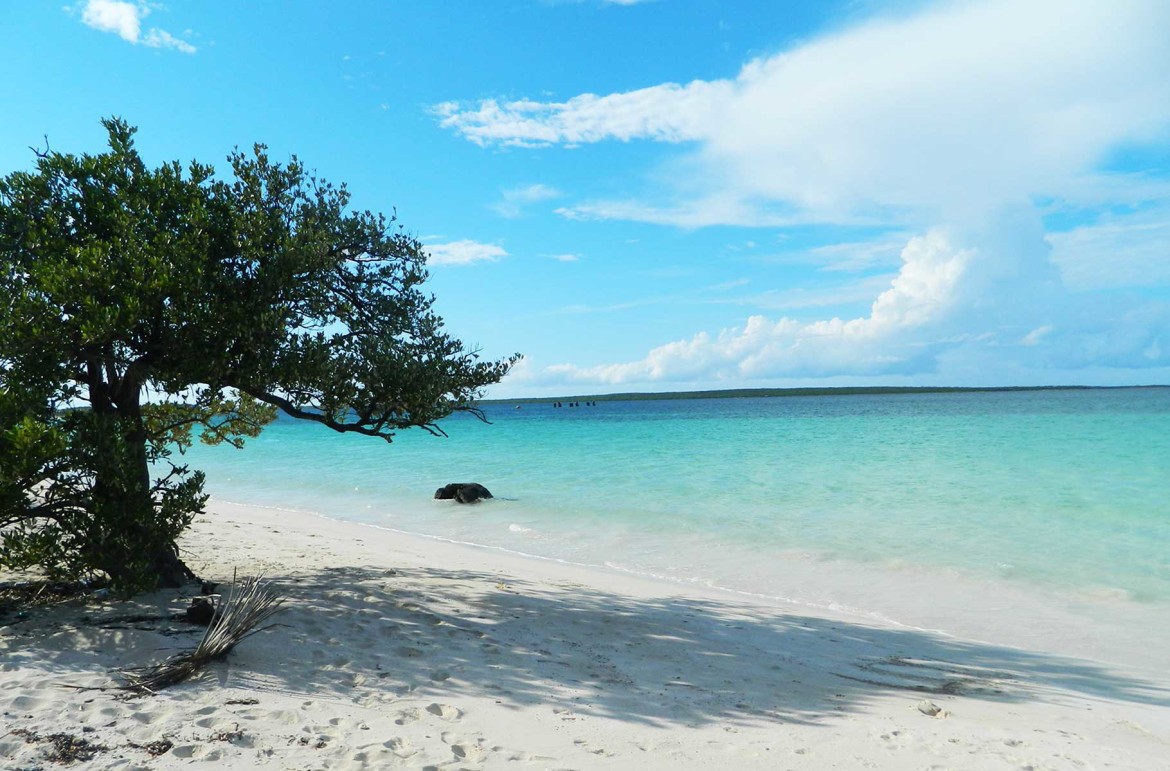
670	195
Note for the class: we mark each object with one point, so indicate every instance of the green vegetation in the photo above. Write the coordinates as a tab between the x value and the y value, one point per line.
142	307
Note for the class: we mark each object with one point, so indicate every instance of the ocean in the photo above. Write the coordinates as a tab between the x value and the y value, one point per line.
960	512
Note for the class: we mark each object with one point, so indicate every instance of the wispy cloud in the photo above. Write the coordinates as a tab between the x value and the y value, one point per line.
567	257
715	209
859	255
799	298
1118	251
514	200
963	104
667	113
464	252
599	2
124	19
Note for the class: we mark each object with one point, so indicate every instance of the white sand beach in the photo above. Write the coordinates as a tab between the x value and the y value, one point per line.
402	652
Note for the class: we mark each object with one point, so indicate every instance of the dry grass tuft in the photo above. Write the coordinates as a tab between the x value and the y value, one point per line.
249	604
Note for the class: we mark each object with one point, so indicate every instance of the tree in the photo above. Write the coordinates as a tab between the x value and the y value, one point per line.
143	307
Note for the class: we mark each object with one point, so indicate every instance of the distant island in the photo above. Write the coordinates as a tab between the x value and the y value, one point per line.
745	393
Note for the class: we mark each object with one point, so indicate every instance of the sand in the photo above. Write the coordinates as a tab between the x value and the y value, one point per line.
403	652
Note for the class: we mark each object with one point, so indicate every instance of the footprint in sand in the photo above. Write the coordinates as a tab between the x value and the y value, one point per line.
216	724
593	750
468	751
440	675
407	716
445	711
401	747
197	752
280	716
22	703
526	757
464	747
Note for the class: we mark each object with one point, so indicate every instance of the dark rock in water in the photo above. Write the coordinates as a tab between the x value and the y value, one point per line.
446	492
463	492
472	492
201	612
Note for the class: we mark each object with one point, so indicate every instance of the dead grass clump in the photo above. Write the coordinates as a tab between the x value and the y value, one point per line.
249	604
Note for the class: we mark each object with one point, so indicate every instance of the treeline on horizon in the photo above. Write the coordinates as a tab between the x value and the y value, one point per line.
743	393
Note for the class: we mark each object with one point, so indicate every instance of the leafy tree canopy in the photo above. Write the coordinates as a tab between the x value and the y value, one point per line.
141	307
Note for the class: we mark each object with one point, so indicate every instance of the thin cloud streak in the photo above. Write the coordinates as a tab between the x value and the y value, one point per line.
464	252
514	200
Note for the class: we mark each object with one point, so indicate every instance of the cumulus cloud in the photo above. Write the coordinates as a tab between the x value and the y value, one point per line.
124	19
989	288
948	123
924	291
959	105
464	252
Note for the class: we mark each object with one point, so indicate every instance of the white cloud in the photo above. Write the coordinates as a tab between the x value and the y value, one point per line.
988	290
464	252
124	19
1125	251
857	255
924	291
669	113
1036	335
121	18
513	200
565	257
961	105
721	208
950	121
157	38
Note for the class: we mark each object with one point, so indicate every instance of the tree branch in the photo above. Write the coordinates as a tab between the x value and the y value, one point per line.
325	420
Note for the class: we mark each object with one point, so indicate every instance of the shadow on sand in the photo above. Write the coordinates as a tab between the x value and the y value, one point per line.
373	634
672	660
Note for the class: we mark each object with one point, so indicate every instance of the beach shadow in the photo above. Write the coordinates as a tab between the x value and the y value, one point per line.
663	661
376	636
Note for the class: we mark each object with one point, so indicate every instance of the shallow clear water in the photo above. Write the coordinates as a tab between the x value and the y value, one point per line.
837	500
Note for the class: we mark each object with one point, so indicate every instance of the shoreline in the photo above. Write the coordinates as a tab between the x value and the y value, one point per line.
950	603
410	652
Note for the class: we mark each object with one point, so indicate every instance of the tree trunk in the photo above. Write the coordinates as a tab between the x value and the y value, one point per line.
128	541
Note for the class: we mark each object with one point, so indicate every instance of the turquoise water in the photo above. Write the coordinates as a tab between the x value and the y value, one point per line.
1062	493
